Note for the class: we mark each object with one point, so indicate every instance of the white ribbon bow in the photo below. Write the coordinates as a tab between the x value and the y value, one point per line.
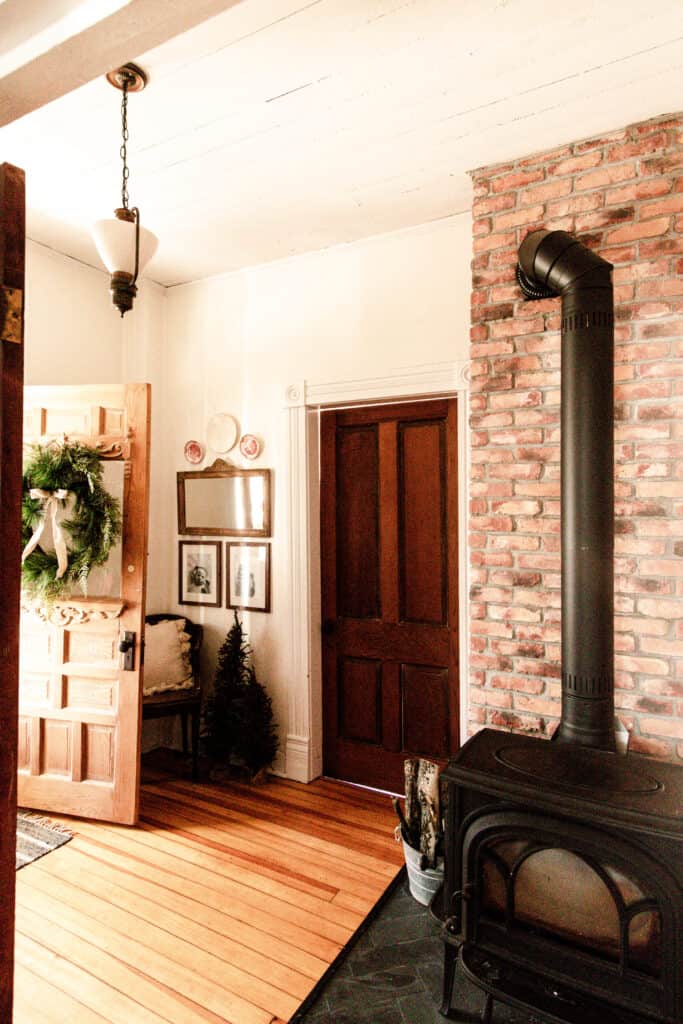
50	501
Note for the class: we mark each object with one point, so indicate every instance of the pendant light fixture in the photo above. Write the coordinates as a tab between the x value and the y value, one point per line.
125	248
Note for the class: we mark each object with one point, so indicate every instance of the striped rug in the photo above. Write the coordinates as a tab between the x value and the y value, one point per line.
37	836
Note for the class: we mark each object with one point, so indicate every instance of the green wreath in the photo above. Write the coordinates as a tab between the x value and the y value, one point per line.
53	473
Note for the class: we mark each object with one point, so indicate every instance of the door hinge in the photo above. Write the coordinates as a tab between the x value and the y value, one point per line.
11	309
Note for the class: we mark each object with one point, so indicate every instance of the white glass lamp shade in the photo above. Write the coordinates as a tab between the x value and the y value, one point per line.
115	241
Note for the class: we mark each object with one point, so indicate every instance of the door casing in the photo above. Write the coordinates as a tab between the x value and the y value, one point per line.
304	401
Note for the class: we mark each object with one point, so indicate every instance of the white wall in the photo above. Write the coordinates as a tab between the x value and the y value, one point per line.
74	335
235	342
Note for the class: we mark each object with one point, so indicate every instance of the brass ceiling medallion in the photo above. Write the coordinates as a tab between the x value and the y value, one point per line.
128	76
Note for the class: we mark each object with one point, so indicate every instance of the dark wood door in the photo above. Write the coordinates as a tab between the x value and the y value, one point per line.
389	589
12	220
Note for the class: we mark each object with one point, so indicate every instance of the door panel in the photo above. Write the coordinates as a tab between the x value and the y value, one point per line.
80	710
357	499
389	589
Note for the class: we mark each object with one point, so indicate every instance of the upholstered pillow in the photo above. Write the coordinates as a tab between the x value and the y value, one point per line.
167	657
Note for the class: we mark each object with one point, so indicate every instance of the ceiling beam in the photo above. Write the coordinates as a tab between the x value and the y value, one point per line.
133	29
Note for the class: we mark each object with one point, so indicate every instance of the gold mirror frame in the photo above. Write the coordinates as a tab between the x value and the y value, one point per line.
222	470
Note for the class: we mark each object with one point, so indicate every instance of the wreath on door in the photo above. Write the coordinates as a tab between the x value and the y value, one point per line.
54	474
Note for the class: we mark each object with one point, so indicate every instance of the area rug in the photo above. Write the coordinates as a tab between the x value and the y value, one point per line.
37	836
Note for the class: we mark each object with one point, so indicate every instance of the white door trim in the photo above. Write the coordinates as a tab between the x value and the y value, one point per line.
304	400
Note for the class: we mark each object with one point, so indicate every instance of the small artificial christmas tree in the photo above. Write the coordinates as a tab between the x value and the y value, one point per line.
240	730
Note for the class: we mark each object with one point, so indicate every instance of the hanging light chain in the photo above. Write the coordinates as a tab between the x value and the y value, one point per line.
125	174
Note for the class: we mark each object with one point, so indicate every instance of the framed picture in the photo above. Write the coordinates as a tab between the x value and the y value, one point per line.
249	577
199	572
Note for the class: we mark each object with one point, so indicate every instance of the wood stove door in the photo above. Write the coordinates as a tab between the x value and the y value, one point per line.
584	908
389	589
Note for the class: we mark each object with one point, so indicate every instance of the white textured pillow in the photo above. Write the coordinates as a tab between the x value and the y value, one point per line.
167	657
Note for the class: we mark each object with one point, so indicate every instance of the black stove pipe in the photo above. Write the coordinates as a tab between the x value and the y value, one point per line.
555	263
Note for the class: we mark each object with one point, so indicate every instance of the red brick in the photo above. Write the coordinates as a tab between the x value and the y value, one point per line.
515	180
650	144
519	683
516	400
639	190
518	471
543	158
605	176
657	248
518	217
541	193
575	163
665	329
651	748
658	288
497	241
492	204
671	727
651	666
520	723
517	326
603	219
575	204
652	389
641	229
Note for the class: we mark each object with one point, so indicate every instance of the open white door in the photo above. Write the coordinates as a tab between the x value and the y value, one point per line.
79	698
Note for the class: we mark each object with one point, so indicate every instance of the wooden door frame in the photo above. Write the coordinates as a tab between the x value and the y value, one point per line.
12	246
303	747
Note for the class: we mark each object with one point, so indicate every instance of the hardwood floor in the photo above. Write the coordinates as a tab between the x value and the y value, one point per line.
225	904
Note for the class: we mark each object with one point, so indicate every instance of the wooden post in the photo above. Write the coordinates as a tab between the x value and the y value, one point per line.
12	235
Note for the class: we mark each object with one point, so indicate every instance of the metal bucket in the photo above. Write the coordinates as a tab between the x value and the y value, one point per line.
422	884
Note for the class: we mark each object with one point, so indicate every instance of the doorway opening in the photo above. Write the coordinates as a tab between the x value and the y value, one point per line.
389	586
306	403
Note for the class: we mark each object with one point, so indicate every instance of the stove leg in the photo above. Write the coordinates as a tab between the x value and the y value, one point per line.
450	960
488	1010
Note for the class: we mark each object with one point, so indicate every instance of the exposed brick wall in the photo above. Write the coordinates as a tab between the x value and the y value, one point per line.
622	195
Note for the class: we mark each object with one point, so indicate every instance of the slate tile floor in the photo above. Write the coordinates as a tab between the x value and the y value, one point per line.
393	973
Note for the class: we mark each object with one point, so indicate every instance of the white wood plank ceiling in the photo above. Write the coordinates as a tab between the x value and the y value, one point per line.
283	126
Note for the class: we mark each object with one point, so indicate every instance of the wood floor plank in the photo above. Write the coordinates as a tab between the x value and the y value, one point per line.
205	912
211	893
197	823
49	1002
68	976
341	806
172	946
180	938
37	896
325	863
169	836
78	872
349	834
262	908
224	906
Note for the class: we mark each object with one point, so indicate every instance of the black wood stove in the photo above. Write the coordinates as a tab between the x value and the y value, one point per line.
563	891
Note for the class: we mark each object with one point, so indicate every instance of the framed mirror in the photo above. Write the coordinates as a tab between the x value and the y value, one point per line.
224	500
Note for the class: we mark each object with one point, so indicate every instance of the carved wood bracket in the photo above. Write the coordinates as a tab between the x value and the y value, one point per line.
76	611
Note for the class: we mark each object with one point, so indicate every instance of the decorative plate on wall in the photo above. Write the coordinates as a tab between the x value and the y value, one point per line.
250	446
222	432
194	452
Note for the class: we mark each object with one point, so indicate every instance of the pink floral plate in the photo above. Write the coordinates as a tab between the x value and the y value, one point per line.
194	452
250	446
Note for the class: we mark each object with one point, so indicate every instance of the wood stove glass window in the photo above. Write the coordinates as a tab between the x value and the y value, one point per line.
572	898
